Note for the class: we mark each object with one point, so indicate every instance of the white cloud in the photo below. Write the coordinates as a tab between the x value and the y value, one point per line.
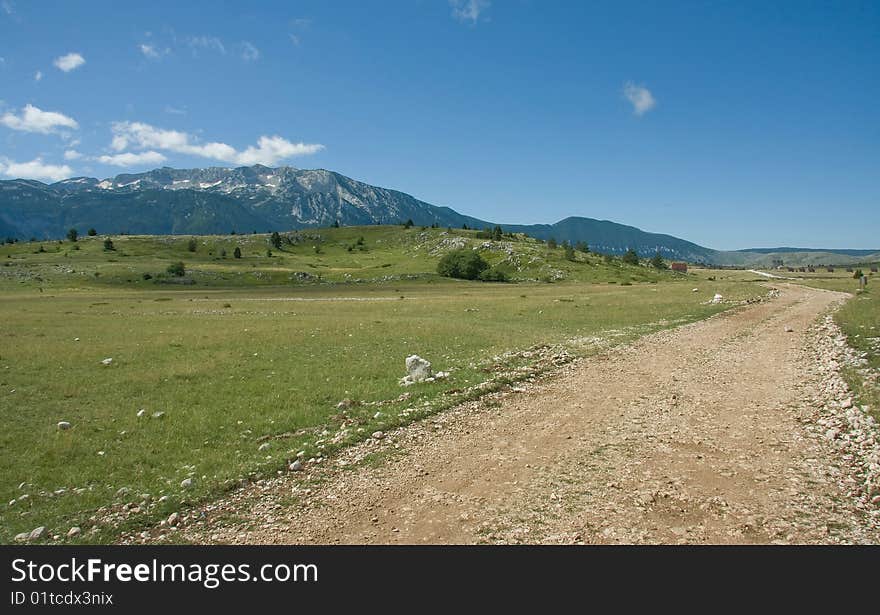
210	43
268	151
149	51
640	97
249	53
129	159
175	110
35	169
468	11
72	154
69	62
8	7
38	75
32	119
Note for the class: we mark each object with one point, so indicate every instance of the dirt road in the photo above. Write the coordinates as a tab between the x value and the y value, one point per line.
702	434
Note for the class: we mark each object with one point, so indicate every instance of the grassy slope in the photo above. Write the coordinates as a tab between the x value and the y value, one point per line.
229	365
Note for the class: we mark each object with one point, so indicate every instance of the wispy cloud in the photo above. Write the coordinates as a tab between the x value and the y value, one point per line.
38	76
249	53
153	52
639	97
69	62
469	11
34	119
72	154
35	169
208	43
175	110
269	149
7	7
130	159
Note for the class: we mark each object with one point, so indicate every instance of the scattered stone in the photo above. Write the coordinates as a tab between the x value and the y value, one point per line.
378	435
73	532
122	491
847	403
158	415
417	370
789	329
37	533
107	361
173	519
717	298
347	403
141	413
63	425
695	290
186	483
264	446
22	537
296	466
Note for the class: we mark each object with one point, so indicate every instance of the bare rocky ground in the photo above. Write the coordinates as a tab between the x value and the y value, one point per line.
737	429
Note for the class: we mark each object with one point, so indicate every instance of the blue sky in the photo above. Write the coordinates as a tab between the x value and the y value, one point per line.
730	124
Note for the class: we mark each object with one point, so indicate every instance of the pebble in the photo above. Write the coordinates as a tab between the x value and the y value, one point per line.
158	415
37	533
173	518
63	425
74	531
296	466
186	483
107	361
141	413
378	435
264	446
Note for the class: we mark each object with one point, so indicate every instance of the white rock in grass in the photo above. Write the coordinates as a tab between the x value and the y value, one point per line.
186	483
37	533
63	425
717	298
378	435
22	537
173	518
417	370
158	415
264	446
296	466
74	531
141	413
107	361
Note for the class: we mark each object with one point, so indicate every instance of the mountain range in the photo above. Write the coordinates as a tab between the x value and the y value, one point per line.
220	200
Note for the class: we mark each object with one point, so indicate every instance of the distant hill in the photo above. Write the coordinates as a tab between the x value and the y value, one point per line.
219	200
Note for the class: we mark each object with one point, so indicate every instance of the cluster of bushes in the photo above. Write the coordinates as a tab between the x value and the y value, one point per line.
466	264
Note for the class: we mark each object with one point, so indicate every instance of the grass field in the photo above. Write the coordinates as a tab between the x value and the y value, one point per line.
249	374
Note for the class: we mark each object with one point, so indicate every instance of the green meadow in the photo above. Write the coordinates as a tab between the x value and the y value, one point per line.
246	359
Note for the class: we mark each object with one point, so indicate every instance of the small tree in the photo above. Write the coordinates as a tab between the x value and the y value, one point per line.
463	263
408	223
72	235
177	269
551	244
657	261
223	253
275	240
569	251
108	244
630	257
335	224
497	233
92	232
268	253
237	252
582	246
191	245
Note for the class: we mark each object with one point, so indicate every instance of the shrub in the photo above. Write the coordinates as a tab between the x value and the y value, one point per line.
275	239
408	223
463	263
582	246
630	257
147	276
108	244
191	245
657	261
92	232
494	274
237	252
72	235
177	269
551	243
569	251
223	253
